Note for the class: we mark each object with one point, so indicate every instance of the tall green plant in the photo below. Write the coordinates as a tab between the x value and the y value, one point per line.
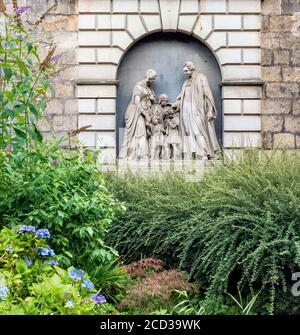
24	83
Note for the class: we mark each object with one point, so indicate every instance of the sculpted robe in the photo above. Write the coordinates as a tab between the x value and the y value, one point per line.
135	142
197	116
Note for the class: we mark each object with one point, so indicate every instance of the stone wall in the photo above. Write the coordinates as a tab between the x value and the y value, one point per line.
280	43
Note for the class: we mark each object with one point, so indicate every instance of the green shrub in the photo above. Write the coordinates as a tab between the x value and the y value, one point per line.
238	227
32	282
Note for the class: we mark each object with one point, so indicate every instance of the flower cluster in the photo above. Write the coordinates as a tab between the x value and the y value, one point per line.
22	9
87	284
53	262
99	299
3	292
45	252
28	261
76	274
69	304
26	229
43	233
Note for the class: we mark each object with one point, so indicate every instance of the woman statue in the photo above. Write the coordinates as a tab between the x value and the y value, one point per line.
137	119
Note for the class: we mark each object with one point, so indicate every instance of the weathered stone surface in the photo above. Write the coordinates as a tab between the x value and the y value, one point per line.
297	141
273	123
282	106
54	106
270	7
290	6
295	57
281	23
281	90
289	41
281	57
291	74
71	107
64	122
270	40
267	140
271	73
64	90
284	141
296	107
266	56
60	23
292	124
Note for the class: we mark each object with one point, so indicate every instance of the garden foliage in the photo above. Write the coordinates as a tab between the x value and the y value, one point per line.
238	227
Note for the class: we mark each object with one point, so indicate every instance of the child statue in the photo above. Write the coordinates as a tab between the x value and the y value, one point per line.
172	143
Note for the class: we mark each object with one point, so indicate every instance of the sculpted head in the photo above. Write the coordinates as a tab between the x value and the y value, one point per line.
188	68
163	99
151	75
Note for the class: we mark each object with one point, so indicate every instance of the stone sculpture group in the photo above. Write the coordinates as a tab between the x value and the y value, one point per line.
163	130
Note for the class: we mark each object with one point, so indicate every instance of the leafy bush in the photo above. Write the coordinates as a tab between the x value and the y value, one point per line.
64	193
31	281
238	227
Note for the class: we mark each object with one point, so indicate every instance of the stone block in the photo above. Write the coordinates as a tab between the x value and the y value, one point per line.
121	39
242	123
54	106
281	57
63	90
241	92
244	38
252	107
87	105
66	40
98	72
147	6
60	23
45	124
291	74
106	106
152	22
271	7
271	73
227	22
281	90
281	23
232	107
284	141
135	26
272	123
128	6
216	6
280	106
289	41
71	107
96	91
270	40
116	21
297	141
94	38
169	11
229	56
266	56
252	56
87	55
86	21
87	138
267	140
186	22
292	123
295	57
109	55
98	122
242	140
106	139
252	22
64	122
94	6
296	107
241	72
189	6
203	26
217	40
107	156
70	73
242	6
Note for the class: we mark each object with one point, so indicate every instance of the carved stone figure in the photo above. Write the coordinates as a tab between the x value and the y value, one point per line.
197	115
137	119
172	148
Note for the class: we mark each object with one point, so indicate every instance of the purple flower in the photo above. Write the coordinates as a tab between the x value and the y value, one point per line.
87	284
26	229
22	9
99	299
43	233
9	148
54	161
28	261
55	58
45	252
76	274
53	262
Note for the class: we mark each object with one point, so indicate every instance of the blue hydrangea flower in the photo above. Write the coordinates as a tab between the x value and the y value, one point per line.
43	233
22	9
53	262
87	284
69	304
76	274
45	252
28	261
3	292
26	229
99	299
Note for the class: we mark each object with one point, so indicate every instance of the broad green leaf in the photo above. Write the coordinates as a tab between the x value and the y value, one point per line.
20	133
7	73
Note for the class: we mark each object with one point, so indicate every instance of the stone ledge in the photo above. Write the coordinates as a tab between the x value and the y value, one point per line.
97	82
242	83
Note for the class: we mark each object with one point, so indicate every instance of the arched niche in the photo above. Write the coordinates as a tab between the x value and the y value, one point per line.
165	53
